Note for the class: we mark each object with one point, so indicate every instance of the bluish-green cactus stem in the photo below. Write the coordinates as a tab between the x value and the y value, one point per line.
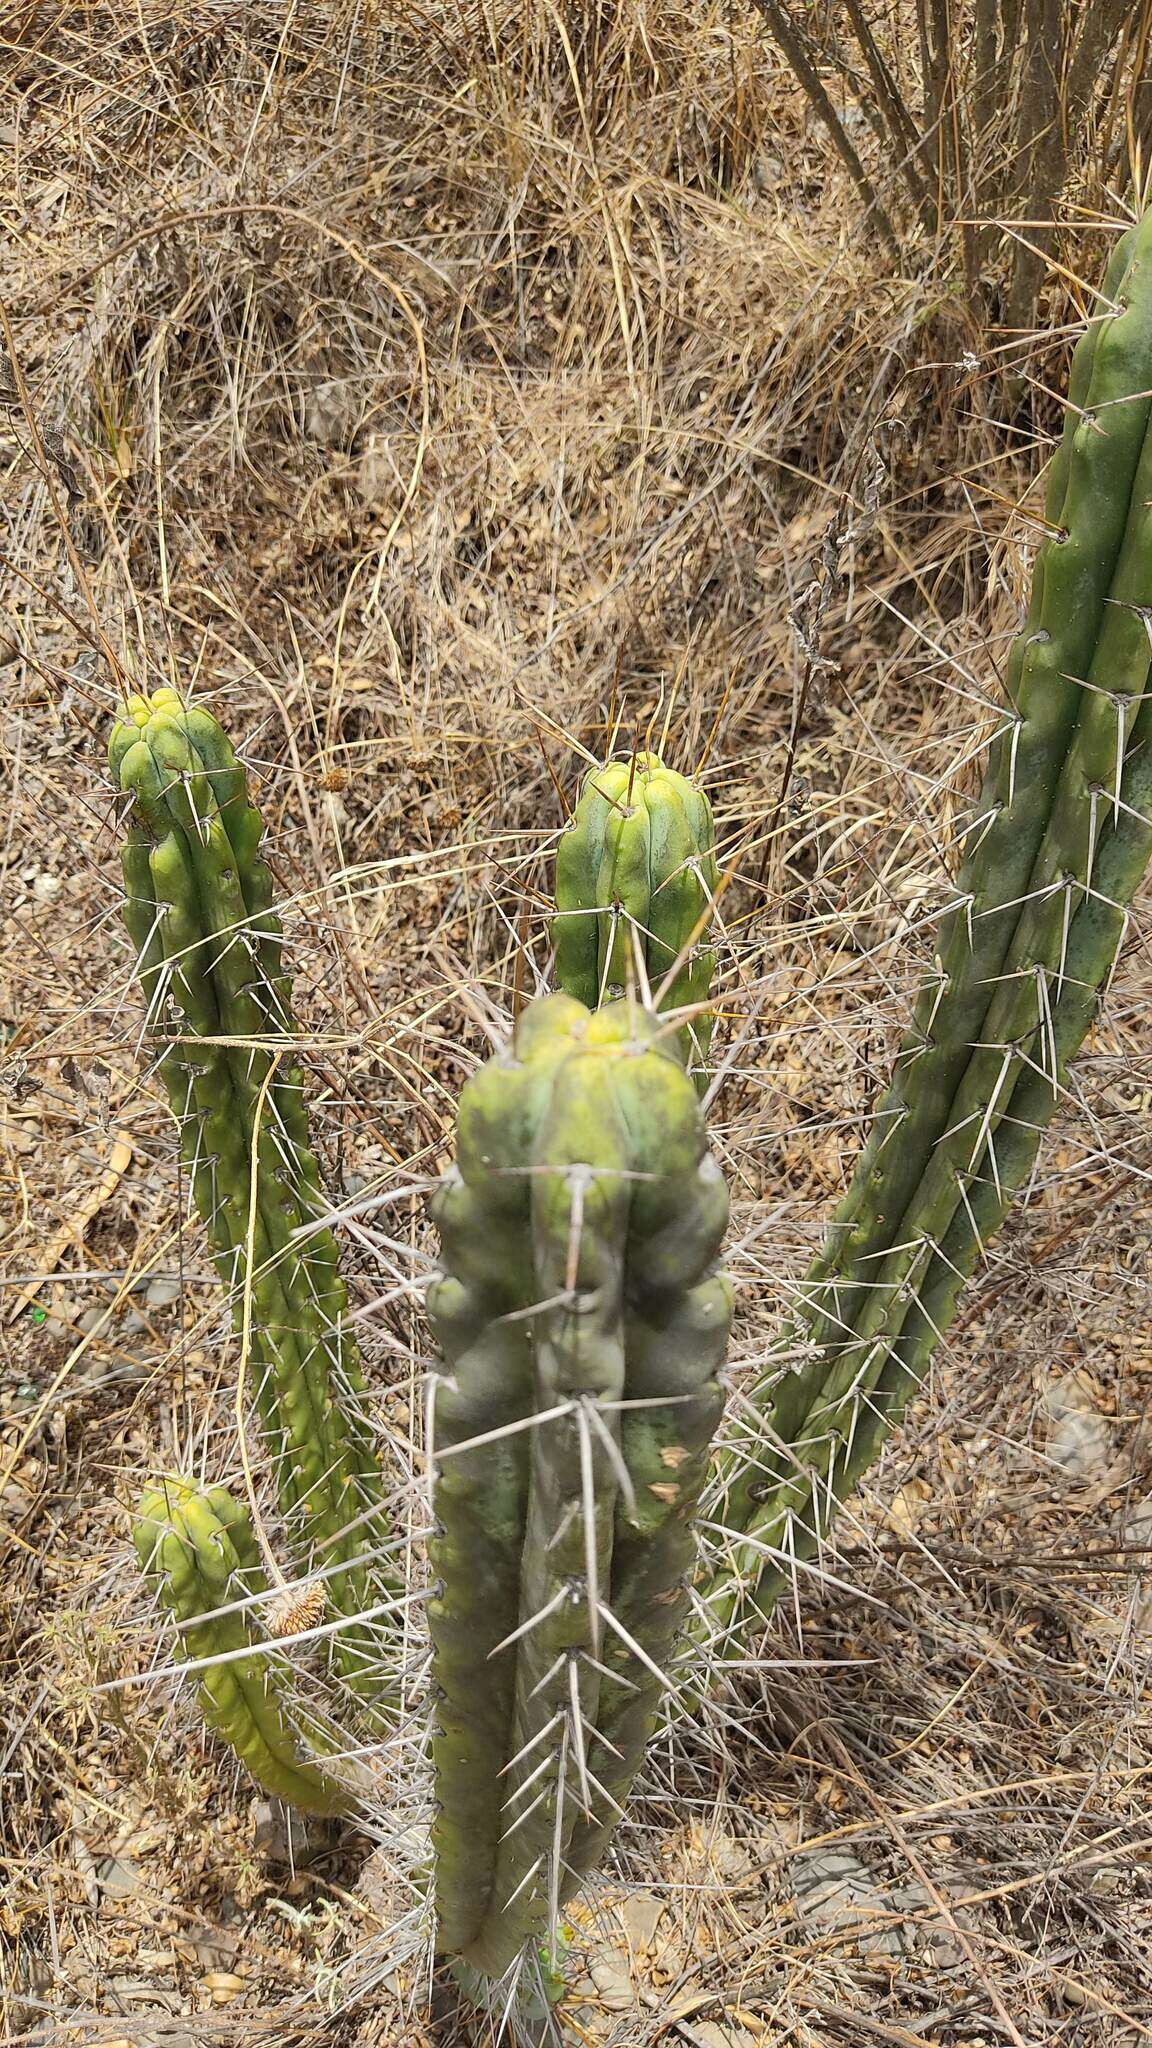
582	1324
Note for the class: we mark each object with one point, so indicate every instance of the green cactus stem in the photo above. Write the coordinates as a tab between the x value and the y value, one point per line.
582	1325
198	1551
1096	520
209	957
635	883
1059	843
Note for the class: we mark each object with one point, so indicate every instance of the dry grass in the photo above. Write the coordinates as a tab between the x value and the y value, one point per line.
436	393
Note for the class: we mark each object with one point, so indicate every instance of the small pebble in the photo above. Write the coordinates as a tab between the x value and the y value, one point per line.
641	1915
717	2034
1081	1446
835	1890
118	1877
162	1291
612	1978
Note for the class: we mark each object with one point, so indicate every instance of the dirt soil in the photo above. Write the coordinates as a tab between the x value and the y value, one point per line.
443	399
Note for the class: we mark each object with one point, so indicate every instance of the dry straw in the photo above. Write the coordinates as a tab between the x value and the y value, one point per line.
429	390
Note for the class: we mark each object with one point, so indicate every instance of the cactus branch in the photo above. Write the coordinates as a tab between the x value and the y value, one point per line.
209	956
636	879
197	1549
1060	841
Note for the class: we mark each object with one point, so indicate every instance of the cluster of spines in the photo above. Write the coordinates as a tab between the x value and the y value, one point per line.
1057	846
209	956
582	1325
636	884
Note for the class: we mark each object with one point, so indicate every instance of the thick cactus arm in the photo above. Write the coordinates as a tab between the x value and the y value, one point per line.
197	1550
843	1435
914	1224
580	1200
584	1142
1021	1003
635	880
483	1214
476	1309
1043	684
1094	938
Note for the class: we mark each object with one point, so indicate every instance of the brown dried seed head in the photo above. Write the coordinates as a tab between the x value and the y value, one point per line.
296	1608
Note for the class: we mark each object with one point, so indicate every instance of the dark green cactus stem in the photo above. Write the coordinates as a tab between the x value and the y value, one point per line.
635	881
198	1552
582	1325
1060	841
209	956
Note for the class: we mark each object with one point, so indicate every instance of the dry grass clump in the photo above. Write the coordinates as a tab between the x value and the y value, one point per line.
982	118
440	394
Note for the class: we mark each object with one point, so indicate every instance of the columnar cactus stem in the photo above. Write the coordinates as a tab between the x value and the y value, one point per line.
209	959
582	1325
1059	843
635	882
1090	507
198	1551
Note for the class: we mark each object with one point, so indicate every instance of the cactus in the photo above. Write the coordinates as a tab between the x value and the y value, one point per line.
635	884
578	1309
1057	846
209	947
197	1549
582	1324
